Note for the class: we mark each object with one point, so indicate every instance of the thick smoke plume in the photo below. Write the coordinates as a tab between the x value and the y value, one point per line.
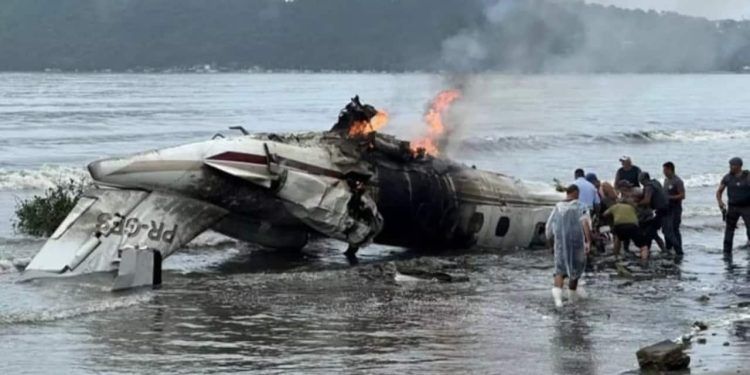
546	36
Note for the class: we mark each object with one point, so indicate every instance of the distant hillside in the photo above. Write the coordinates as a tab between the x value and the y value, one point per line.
381	35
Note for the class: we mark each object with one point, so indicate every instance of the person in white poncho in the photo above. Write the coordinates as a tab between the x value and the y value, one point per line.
569	229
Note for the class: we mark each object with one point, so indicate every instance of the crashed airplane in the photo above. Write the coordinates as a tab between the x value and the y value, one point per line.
351	184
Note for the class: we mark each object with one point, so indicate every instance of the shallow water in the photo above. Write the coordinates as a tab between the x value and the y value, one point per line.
228	307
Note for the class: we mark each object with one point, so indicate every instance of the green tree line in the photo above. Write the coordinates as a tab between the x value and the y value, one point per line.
381	35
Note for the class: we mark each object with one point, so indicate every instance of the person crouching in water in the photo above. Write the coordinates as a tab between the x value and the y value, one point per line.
569	229
625	218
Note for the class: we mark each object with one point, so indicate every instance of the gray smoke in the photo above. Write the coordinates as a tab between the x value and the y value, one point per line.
569	36
556	36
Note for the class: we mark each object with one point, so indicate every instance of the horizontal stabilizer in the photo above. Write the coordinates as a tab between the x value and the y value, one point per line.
106	224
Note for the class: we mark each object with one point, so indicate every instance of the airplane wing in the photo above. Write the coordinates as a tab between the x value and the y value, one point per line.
128	231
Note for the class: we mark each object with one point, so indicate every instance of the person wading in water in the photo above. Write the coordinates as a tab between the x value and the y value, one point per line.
675	189
737	184
569	229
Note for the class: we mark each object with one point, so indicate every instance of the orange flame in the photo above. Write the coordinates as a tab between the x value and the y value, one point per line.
376	123
434	120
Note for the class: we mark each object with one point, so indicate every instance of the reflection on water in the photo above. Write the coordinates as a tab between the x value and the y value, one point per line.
571	344
314	313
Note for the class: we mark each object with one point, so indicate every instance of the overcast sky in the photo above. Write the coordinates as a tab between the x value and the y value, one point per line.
712	9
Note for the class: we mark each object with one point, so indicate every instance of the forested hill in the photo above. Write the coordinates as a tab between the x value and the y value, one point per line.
381	35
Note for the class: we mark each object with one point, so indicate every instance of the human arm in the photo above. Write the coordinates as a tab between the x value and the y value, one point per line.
680	191
617	179
719	193
587	233
646	200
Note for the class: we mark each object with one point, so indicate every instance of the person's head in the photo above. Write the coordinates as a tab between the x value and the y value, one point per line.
578	173
668	169
572	192
735	165
591	177
626	162
644	177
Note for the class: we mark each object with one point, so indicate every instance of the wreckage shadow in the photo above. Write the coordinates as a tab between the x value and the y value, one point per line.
265	260
317	256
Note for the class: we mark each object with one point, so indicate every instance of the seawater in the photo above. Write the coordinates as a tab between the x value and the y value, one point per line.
232	307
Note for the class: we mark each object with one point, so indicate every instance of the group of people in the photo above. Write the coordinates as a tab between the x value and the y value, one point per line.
636	206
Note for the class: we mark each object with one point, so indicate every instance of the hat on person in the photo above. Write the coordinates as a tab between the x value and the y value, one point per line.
591	177
625	158
735	161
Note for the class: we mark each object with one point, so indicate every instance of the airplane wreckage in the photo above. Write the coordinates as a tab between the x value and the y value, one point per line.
351	183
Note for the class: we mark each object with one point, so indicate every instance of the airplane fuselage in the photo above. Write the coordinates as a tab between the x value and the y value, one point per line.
428	203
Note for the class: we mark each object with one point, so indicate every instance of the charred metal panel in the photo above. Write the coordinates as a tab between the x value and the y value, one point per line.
419	208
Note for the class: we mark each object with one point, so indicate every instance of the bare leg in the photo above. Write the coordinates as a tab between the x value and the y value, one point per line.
559	281
576	291
572	284
644	254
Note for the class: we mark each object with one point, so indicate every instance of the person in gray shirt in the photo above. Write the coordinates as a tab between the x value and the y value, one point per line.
675	189
737	184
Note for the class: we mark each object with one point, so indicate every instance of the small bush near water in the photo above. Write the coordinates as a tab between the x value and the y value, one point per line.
40	215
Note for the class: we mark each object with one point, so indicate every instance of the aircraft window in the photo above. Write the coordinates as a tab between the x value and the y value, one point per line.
539	239
502	226
476	222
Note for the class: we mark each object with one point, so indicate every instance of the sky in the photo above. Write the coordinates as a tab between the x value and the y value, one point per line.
711	9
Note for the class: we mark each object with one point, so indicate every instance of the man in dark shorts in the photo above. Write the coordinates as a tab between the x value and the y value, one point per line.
737	184
626	226
654	198
670	226
628	172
